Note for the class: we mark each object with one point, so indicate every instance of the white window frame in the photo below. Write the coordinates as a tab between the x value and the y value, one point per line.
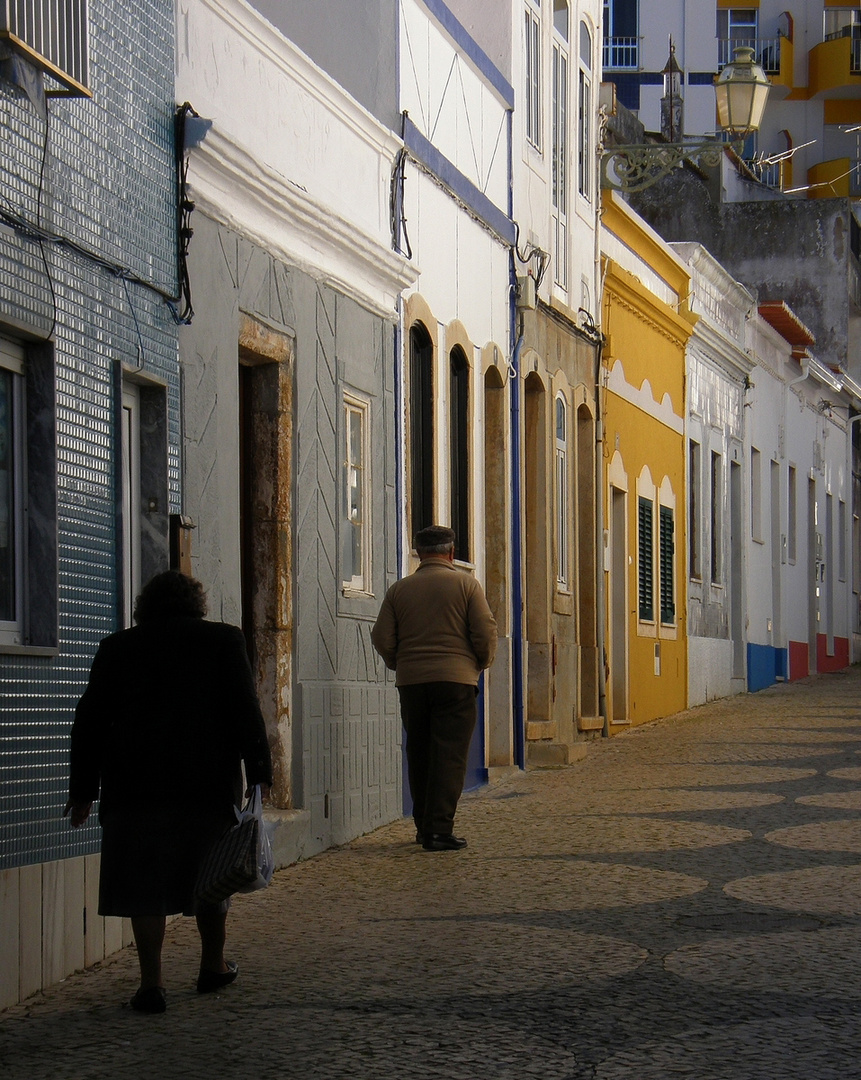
560	157
842	537
12	361
756	495
716	502
695	502
533	74
359	584
585	156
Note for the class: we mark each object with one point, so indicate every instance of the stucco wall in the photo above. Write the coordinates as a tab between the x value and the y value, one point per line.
335	712
356	43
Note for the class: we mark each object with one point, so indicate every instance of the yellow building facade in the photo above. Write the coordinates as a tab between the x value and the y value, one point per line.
646	324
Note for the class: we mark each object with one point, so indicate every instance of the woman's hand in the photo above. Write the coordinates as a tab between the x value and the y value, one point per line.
80	811
264	791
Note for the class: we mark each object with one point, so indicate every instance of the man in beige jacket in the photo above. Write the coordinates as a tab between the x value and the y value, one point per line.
435	630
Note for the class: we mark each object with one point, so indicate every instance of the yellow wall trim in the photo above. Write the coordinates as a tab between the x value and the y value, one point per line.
636	234
624	289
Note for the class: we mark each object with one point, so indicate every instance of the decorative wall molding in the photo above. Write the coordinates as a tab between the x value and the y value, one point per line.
235	189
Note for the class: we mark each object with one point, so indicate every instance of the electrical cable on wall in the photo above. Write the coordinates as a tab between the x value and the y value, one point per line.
532	252
36	233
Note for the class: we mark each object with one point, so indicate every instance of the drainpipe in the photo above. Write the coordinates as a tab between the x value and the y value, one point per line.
516	526
600	576
516	541
400	436
600	584
850	499
805	371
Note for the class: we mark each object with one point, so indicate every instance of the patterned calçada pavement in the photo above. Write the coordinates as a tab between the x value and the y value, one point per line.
684	902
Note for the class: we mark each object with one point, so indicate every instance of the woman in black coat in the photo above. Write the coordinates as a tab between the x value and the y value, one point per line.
169	713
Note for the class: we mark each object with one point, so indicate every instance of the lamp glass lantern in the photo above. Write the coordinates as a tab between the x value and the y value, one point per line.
741	92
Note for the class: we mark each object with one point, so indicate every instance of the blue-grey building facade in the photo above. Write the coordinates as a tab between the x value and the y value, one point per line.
89	425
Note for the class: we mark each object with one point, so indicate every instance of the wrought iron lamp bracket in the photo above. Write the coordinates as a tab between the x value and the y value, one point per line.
635	168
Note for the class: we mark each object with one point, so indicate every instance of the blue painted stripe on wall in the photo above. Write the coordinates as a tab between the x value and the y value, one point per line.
765	665
477	55
460	186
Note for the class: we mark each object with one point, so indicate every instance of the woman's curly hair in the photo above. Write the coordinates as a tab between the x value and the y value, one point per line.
170	595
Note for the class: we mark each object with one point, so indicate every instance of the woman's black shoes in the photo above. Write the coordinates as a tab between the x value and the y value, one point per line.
151	1000
210	981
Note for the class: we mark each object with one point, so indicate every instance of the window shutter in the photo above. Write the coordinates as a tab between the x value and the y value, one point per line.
646	583
667	552
52	34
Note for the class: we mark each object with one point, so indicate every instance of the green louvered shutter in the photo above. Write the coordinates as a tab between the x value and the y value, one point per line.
646	579
667	556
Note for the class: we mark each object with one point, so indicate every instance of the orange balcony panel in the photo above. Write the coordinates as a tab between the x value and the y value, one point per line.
782	81
834	68
830	179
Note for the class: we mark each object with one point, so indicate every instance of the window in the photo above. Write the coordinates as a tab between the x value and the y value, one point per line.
792	515
735	27
53	35
645	559
562	509
755	494
421	429
621	34
459	450
560	149
533	77
841	540
716	500
130	486
12	503
356	545
667	564
28	498
694	509
585	163
841	22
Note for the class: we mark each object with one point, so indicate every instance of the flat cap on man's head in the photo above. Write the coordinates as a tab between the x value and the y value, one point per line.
435	538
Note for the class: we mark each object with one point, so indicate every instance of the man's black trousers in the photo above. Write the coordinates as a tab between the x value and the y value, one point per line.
439	719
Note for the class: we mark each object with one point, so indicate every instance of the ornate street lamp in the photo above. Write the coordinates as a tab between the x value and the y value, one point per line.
741	92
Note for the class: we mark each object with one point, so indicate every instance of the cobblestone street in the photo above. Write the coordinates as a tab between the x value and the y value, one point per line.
685	902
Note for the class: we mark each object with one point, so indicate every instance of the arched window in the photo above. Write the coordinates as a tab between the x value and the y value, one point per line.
561	492
421	428
459	449
585	164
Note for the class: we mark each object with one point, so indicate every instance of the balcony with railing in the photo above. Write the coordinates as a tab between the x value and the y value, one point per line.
766	51
621	53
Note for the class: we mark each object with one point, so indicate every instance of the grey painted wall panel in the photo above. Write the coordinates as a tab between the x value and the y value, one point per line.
355	43
346	736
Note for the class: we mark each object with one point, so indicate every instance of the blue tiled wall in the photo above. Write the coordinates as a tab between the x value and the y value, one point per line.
107	183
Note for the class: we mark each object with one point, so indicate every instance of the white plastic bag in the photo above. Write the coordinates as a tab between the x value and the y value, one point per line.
253	809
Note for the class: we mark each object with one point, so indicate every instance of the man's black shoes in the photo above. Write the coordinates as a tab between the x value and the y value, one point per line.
443	842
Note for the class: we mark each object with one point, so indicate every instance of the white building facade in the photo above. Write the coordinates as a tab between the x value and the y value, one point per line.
289	405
